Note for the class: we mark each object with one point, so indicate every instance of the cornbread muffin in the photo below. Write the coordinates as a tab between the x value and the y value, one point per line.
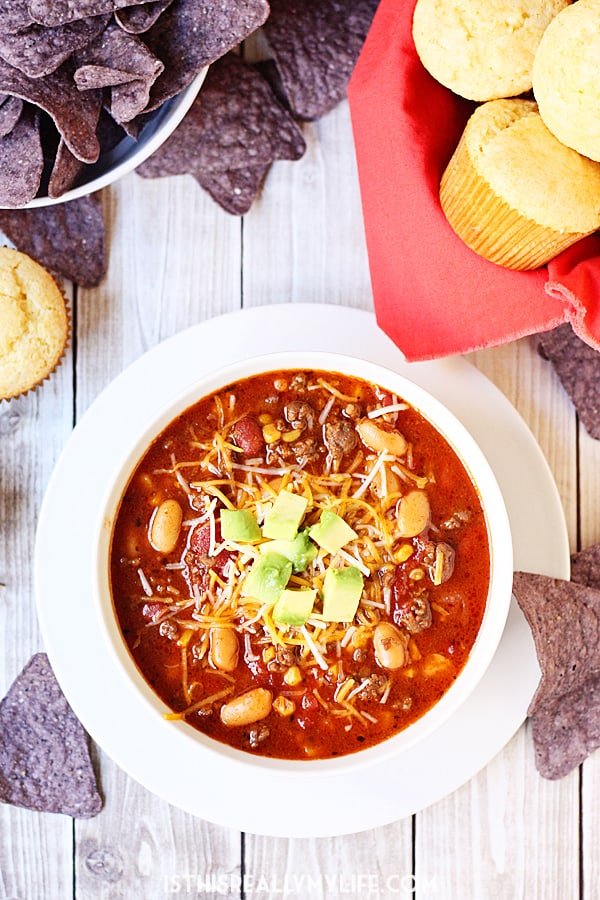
33	323
513	192
566	82
482	50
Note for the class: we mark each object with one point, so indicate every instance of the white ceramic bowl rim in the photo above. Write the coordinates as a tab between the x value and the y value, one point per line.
130	153
499	594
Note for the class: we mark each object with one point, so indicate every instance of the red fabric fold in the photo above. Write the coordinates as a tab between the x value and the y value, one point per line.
432	294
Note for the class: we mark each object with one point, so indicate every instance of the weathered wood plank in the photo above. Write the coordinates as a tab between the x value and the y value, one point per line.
175	259
509	833
304	239
35	850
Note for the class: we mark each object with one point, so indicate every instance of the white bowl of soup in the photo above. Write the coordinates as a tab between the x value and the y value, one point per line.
304	562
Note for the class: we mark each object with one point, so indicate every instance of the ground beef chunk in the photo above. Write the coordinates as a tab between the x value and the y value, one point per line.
300	414
168	630
456	520
298	383
302	451
374	688
352	411
340	438
429	554
257	735
412	613
286	656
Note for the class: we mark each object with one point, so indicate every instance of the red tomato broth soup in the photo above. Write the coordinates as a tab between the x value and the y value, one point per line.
300	565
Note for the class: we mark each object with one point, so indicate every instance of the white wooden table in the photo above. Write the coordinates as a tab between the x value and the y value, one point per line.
176	259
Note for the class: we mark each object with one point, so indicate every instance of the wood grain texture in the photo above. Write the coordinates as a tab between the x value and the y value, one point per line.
509	833
175	260
35	849
304	239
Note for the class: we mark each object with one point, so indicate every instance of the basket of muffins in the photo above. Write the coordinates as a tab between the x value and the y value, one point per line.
524	181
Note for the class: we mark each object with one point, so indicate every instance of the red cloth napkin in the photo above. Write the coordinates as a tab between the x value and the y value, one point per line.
433	295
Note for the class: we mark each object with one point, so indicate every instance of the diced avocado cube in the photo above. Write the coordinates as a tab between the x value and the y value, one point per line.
239	525
283	519
331	532
267	578
294	607
342	589
300	552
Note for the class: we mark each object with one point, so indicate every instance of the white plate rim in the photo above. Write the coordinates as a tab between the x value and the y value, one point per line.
302	326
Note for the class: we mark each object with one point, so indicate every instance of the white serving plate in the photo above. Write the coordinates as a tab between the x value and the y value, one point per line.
126	729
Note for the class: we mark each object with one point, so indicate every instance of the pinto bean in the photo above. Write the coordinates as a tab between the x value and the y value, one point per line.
165	526
248	436
377	439
250	707
413	514
390	646
224	649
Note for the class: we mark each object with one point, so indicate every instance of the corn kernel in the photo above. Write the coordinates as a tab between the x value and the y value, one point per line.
283	706
268	654
185	638
415	653
265	419
271	434
290	436
360	639
293	676
403	553
417	575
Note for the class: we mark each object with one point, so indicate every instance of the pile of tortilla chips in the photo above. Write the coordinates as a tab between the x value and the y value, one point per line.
564	617
77	76
67	65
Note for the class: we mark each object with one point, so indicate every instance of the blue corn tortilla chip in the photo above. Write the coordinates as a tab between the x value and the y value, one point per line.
137	19
21	161
67	238
564	734
10	113
66	168
14	16
230	136
191	34
585	567
316	44
123	62
37	51
59	12
564	618
45	761
578	368
73	112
